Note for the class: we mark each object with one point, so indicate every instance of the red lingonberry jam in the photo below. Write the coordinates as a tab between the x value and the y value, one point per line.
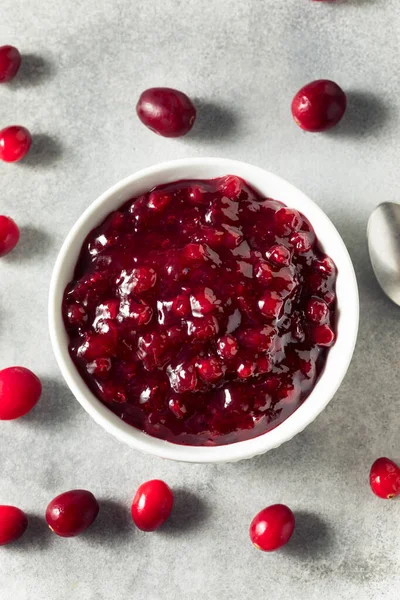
204	318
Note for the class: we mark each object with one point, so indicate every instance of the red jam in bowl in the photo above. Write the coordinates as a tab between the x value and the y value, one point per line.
202	312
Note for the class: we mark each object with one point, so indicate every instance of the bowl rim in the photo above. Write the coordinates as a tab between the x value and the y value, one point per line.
295	423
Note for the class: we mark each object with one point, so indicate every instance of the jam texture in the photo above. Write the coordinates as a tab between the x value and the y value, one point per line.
202	312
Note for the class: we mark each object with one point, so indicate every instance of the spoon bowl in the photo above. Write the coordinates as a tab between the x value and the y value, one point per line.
384	248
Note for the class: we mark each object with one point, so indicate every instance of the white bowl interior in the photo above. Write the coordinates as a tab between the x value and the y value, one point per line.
268	185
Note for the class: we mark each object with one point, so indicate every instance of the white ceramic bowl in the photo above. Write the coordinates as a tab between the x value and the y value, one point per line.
269	185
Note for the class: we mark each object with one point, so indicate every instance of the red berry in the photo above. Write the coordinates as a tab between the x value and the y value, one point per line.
203	302
158	200
177	407
300	242
166	111
270	305
319	105
71	513
322	335
137	281
76	315
263	272
288	220
15	142
317	311
197	195
140	312
152	505
10	62
210	369
231	186
20	391
272	528
181	305
13	524
246	369
99	367
9	235
227	347
279	255
182	377
257	338
203	328
194	253
385	478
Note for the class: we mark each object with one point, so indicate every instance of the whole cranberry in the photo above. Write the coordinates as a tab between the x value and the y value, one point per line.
15	142
166	111
272	528
13	524
319	105
10	62
152	505
384	478
9	235
71	513
20	391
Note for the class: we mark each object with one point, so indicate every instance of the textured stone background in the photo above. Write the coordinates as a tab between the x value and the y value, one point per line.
85	64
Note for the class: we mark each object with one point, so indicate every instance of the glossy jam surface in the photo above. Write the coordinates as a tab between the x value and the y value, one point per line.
201	312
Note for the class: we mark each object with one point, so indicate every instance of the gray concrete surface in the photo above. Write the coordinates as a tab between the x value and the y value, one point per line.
85	65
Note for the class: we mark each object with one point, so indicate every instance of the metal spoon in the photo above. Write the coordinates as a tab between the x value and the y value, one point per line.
383	235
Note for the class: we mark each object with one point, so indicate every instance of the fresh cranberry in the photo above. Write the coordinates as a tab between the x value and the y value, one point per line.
201	312
166	111
9	235
71	513
15	142
319	105
385	478
152	505
10	62
272	528
13	524
20	391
